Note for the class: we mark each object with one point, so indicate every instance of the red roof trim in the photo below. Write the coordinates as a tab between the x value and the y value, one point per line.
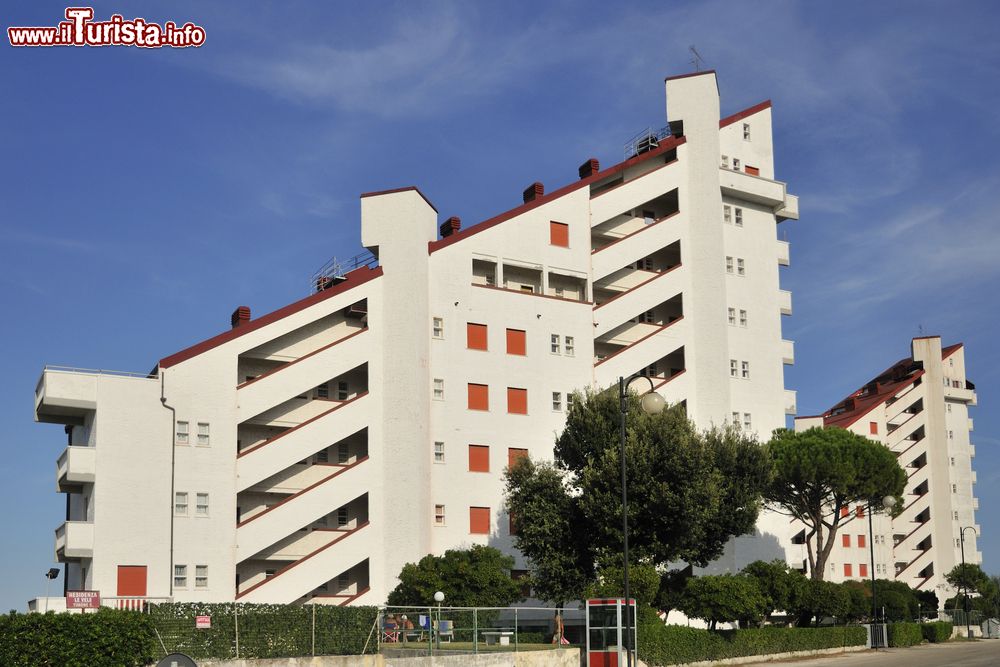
434	246
950	350
685	76
394	191
757	108
846	419
354	279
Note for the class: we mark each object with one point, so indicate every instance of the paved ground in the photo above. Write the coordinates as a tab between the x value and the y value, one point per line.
984	653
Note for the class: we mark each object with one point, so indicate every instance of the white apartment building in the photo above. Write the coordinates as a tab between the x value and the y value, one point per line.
308	454
918	408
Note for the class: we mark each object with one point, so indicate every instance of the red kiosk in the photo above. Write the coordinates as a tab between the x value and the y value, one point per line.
606	631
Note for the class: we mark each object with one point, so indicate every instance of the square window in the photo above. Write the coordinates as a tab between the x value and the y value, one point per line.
741	268
437	329
727	213
739	217
559	234
201	576
734	369
557	401
479	458
479	396
555	347
203	434
479	520
180	576
569	345
516	343
438	389
729	264
732	316
517	401
439	515
515	454
438	452
743	318
476	336
201	504
182	433
181	503
745	370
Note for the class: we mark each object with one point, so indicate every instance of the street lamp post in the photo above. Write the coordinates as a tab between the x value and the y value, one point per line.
439	598
652	403
965	582
49	576
888	502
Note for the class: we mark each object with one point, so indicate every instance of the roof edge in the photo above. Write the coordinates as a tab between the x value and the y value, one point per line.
688	75
740	115
403	189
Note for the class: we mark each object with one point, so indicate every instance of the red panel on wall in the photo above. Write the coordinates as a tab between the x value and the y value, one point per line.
516	342
559	234
861	541
476	336
846	539
479	397
873	428
513	454
479	520
132	580
753	171
479	458
517	401
863	570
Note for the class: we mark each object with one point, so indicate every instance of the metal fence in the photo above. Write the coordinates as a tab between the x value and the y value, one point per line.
427	630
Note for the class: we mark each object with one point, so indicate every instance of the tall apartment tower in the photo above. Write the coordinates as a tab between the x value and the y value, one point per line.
918	408
309	453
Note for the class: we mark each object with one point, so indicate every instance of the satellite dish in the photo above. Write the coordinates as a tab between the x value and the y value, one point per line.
177	660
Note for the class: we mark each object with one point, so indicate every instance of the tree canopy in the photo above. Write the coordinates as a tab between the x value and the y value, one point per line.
689	492
475	577
723	598
819	472
780	585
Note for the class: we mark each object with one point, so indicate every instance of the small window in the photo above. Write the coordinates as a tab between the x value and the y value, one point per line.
555	343
725	162
745	370
741	268
729	264
479	396
873	428
343	517
323	391
479	458
201	504
517	401
343	453
322	456
439	515
181	503
746	131
739	217
516	343
569	345
180	576
182	433
569	400
954	515
736	419
954	488
951	435
949	407
438	452
952	460
559	234
743	318
203	440
343	391
747	424
479	520
736	164
727	213
476	335
557	401
437	329
734	369
732	316
201	576
438	389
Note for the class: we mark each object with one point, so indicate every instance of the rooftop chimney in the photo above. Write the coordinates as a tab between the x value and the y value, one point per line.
589	168
533	191
450	226
240	316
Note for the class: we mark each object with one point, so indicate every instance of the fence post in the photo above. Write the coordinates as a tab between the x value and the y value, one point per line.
314	629
236	623
475	630
515	629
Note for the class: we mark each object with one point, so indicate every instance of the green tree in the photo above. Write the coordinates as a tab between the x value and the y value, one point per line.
968	577
820	599
475	577
819	473
644	584
860	606
896	598
780	584
688	493
723	598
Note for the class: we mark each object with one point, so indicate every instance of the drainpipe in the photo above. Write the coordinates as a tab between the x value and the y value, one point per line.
173	456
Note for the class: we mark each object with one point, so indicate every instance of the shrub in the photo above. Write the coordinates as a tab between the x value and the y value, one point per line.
107	637
937	632
673	644
905	634
726	597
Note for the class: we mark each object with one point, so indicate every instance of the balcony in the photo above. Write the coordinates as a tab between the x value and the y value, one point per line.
752	188
962	392
65	396
790	398
76	466
790	211
787	352
785	302
972	451
783	253
74	539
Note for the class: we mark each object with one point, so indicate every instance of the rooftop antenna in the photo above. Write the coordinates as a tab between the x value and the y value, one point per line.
696	59
920	328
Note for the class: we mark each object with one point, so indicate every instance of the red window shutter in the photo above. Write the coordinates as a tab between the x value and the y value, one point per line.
479	396
479	458
475	336
753	171
844	511
845	540
514	454
863	570
848	570
479	520
517	401
873	428
859	511
559	234
132	580
516	342
861	541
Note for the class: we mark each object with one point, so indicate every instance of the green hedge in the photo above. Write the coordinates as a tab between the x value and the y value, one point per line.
937	632
107	637
675	644
265	630
905	634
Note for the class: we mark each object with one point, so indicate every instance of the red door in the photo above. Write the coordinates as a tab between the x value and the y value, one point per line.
131	580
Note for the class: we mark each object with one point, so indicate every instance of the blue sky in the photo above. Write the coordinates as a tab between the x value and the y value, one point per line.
144	194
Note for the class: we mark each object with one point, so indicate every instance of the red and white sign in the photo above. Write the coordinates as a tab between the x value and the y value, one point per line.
203	622
83	599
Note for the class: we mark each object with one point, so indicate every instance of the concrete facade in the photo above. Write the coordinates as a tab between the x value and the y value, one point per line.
306	455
